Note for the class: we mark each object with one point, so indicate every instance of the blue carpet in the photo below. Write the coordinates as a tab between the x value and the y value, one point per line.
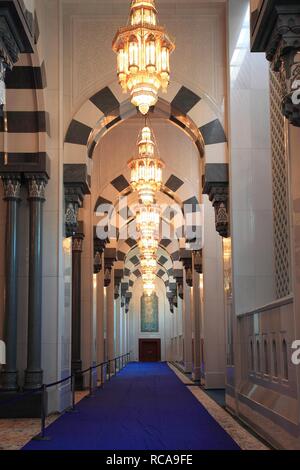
146	407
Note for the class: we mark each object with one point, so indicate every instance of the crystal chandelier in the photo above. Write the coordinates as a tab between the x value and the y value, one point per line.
146	168
143	49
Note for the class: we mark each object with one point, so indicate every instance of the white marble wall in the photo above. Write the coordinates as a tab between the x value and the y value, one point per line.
250	166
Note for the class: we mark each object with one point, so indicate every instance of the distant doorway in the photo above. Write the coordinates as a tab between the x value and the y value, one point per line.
149	350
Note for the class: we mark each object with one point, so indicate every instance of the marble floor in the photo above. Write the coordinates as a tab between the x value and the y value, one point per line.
16	433
239	434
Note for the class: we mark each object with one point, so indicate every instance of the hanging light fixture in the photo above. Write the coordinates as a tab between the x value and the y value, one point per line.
143	49
146	168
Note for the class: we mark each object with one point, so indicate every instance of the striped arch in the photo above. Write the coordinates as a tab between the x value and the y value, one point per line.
132	270
28	122
106	109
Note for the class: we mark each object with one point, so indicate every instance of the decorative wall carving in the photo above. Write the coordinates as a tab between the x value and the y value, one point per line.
216	186
280	189
12	187
36	186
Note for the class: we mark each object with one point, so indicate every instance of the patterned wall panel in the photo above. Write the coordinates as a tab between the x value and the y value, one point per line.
280	190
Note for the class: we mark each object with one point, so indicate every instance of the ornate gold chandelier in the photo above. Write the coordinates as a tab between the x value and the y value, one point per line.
143	49
146	168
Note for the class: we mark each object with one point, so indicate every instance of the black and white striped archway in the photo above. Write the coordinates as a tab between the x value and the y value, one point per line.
103	111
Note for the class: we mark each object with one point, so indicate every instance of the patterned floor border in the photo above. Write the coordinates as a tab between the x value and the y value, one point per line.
239	434
16	433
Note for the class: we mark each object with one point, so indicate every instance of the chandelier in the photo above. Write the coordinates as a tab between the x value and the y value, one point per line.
146	168
143	49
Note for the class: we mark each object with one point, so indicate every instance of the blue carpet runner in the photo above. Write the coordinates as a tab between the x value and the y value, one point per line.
146	407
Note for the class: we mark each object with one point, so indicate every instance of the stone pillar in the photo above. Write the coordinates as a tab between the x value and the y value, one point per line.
118	274
186	258
109	260
77	245
36	197
9	376
197	270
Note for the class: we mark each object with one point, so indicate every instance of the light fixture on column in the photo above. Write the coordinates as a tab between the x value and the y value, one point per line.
143	49
146	168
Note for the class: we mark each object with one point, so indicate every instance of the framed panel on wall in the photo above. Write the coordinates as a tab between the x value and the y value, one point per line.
149	314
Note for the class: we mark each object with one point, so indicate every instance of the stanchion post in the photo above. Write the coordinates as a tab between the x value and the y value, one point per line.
42	436
73	390
91	382
101	375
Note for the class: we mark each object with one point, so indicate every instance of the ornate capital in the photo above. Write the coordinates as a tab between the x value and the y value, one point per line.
170	297
76	185
36	185
77	239
216	186
198	261
12	187
118	273
128	297
187	260
110	256
178	275
276	31
99	247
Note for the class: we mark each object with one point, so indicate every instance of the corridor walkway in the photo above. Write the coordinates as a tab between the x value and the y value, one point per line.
146	407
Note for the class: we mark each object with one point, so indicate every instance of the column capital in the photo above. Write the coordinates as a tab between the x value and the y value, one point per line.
11	186
276	31
99	247
128	297
186	257
178	275
110	257
198	261
216	186
118	275
76	186
36	185
77	238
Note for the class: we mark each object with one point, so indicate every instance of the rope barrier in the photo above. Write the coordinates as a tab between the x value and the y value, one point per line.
125	358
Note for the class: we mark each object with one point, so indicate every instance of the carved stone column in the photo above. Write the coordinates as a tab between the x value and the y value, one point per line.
12	186
128	298
77	246
99	247
110	256
216	186
197	270
36	197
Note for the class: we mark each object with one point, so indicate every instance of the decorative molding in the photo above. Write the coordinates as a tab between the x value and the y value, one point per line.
36	185
198	259
216	186
277	33
118	275
12	187
178	276
78	237
110	257
186	258
76	186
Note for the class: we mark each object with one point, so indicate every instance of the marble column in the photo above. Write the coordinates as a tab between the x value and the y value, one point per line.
110	257
36	198
77	245
187	327
111	321
197	270
9	376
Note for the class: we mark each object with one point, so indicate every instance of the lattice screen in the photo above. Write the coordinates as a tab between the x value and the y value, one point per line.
280	190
